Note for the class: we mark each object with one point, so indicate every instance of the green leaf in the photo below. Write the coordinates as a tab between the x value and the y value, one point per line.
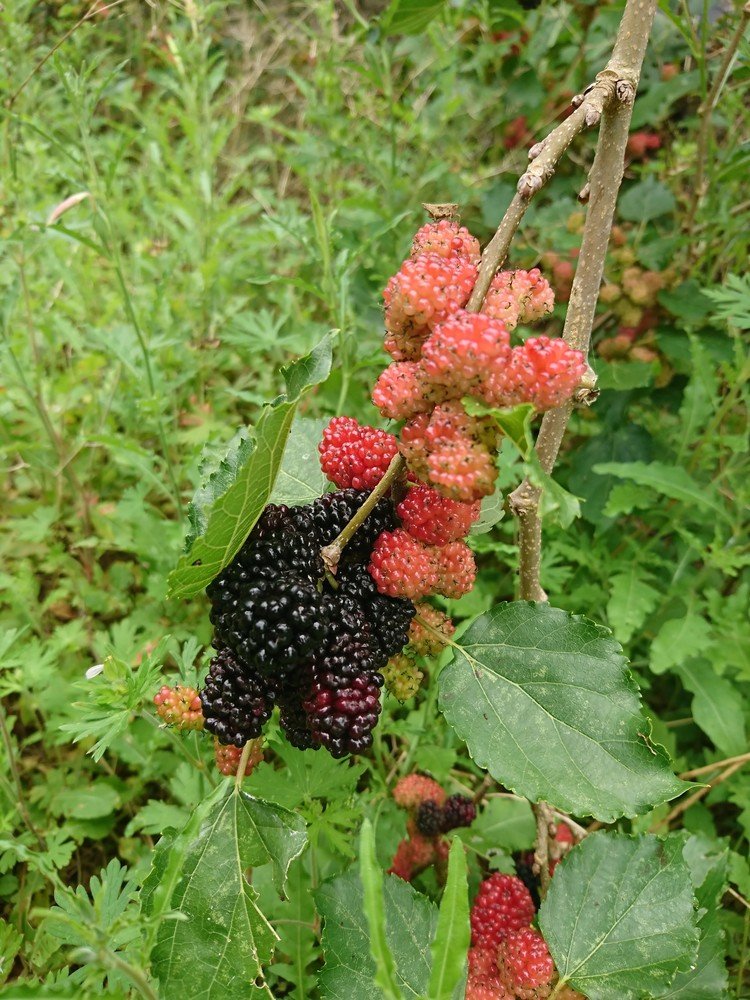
491	511
310	370
453	935
687	302
677	640
300	478
504	824
545	702
10	945
85	802
619	918
410	17
623	376
706	979
515	423
717	706
631	601
218	475
234	512
669	480
646	200
220	945
410	923
374	906
555	498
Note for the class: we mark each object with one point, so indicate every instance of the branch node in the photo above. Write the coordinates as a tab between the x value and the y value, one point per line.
583	194
625	91
537	148
529	184
577	100
592	116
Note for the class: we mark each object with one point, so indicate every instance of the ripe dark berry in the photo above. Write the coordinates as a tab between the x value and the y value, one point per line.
429	818
389	618
524	862
273	625
333	511
293	690
237	701
458	811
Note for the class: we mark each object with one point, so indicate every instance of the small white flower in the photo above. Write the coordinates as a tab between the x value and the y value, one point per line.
94	671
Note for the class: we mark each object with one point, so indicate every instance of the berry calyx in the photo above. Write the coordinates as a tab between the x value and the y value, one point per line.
434	519
179	707
502	905
525	964
353	455
403	567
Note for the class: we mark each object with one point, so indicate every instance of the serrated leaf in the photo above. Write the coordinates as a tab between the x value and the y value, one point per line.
619	918
717	706
349	970
410	17
453	934
677	640
669	480
545	702
631	601
219	948
491	512
300	478
10	945
234	513
218	475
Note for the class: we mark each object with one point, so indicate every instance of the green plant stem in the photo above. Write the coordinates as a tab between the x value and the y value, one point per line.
13	768
242	766
179	744
136	976
742	965
332	553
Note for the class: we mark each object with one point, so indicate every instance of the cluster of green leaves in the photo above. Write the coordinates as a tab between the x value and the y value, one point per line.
252	180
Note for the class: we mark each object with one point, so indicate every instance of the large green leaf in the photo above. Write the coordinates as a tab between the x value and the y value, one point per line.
545	703
410	17
410	922
228	517
619	918
217	947
677	640
503	824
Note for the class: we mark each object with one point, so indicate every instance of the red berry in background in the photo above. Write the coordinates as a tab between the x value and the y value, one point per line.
517	133
404	390
426	642
426	290
457	570
640	144
434	519
413	855
353	455
447	239
179	707
403	567
525	965
457	352
410	792
502	905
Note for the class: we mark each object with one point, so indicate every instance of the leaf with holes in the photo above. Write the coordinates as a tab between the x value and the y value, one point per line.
619	918
545	702
219	943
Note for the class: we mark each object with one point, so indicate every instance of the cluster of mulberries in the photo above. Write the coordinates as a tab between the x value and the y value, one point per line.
509	959
441	353
285	636
432	813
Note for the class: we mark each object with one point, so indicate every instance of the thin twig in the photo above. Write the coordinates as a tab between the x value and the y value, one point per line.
332	553
716	766
544	819
604	180
683	806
